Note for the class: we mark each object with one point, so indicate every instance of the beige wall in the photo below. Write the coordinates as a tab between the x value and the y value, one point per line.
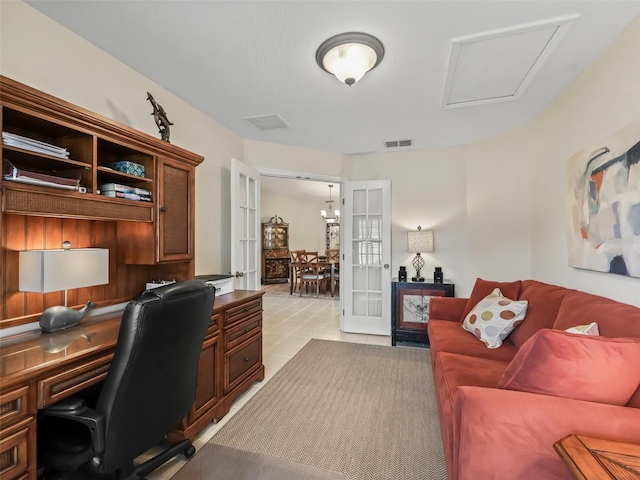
41	53
497	206
307	229
602	100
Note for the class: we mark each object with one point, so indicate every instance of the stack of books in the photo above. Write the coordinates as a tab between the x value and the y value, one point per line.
18	141
117	190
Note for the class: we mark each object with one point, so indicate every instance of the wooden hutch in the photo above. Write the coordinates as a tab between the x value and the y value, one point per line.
146	239
275	250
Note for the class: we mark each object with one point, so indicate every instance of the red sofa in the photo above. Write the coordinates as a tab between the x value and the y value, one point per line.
503	433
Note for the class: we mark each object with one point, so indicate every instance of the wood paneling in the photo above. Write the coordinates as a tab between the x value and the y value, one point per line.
26	232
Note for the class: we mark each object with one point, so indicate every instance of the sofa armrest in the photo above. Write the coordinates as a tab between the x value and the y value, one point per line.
447	308
500	434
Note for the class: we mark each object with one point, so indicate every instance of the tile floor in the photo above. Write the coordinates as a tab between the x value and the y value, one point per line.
289	322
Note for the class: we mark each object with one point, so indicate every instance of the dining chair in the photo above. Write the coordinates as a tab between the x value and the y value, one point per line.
311	272
295	269
333	256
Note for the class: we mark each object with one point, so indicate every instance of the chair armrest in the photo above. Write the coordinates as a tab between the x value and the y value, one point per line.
447	308
75	409
501	434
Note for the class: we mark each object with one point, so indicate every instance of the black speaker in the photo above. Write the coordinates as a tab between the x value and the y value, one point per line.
402	274
438	276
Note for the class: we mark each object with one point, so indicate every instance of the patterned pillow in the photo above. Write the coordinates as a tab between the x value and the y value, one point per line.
591	329
494	318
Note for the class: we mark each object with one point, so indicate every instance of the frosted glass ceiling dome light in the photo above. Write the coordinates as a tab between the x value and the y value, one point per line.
349	56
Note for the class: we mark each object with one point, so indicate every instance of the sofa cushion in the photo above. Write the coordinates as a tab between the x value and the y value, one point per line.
482	288
582	367
446	336
544	303
614	319
494	318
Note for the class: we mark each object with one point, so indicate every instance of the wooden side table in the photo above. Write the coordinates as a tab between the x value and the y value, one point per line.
410	309
597	459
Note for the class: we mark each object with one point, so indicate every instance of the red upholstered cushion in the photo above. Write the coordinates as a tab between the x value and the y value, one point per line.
614	319
482	288
544	303
582	367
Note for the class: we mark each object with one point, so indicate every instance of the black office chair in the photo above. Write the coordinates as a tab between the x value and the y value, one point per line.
148	390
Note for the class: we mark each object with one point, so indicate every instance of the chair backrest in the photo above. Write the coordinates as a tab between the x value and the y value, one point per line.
151	382
308	257
333	254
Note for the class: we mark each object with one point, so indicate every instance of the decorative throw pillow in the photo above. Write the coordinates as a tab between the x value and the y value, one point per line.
591	329
482	288
494	318
582	367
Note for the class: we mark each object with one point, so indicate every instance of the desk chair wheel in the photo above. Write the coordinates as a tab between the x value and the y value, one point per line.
189	452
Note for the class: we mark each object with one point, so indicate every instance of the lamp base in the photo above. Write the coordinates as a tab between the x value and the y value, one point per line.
417	279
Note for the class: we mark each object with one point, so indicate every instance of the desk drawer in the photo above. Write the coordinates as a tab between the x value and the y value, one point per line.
14	451
242	312
238	334
62	385
14	406
241	361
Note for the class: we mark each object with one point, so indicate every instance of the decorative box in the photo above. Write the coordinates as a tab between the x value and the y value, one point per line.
131	168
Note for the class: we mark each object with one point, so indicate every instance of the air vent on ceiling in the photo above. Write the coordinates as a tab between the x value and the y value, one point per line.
398	143
499	65
268	122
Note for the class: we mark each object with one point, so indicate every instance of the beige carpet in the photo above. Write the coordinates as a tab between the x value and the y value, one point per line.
336	410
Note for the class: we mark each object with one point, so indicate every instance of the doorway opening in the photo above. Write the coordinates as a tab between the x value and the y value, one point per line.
291	205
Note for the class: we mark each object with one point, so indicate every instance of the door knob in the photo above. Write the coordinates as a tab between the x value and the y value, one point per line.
386	266
239	274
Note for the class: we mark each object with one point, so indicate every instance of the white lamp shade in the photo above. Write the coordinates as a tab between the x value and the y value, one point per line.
55	270
349	60
420	241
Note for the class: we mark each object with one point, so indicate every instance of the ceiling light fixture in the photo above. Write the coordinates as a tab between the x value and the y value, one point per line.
332	215
349	56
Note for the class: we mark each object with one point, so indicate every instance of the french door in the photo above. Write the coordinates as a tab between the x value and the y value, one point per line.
366	244
245	225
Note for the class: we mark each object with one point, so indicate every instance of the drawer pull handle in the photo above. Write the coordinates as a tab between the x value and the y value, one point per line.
246	359
246	309
247	330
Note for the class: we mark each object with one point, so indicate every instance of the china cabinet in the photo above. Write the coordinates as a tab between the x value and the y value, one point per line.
275	250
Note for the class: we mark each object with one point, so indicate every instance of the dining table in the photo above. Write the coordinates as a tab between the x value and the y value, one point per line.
329	265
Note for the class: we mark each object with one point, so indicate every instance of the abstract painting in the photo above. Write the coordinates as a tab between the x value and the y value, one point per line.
603	205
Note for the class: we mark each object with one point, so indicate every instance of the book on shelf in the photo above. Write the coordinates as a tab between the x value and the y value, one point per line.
18	141
117	187
12	173
127	195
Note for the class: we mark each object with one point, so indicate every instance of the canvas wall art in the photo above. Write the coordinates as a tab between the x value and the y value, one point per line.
603	205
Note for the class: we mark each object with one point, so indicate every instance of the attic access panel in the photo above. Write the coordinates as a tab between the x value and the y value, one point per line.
499	65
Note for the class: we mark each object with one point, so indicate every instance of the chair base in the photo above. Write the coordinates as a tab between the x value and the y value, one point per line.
128	472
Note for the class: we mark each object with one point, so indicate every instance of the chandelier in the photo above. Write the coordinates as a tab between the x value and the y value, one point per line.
331	215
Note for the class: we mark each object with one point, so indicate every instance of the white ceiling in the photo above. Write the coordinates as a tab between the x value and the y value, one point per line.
237	59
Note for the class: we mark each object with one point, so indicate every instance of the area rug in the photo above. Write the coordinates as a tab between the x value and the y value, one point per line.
336	410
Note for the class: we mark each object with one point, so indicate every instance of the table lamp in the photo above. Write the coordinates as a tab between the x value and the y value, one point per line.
417	242
47	271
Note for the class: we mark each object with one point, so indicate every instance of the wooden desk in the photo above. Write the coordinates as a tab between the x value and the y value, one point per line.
38	369
332	266
596	459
